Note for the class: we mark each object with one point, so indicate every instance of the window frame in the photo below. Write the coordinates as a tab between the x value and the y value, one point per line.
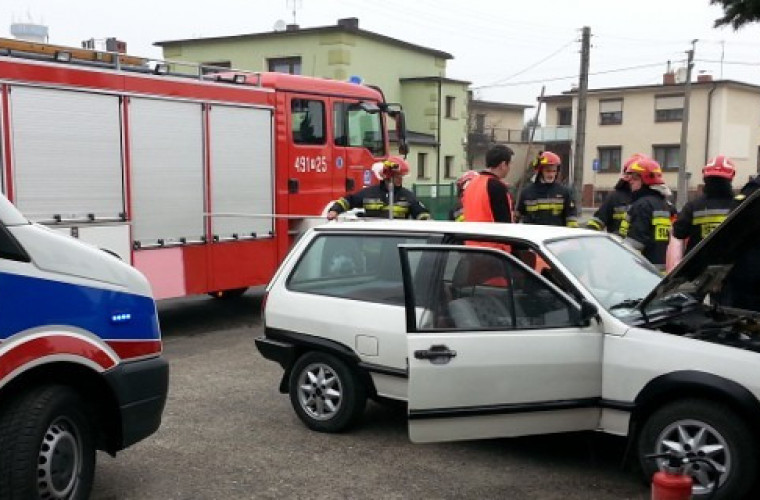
610	117
668	114
294	64
448	167
450	106
422	165
564	114
602	150
666	148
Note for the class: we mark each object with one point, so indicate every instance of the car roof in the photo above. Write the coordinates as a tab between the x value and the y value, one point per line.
531	232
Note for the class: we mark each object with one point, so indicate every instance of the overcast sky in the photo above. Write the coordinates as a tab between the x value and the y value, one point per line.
507	49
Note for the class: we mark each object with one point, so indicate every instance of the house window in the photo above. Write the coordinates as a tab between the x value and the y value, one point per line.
450	106
480	123
291	65
307	121
214	67
668	156
609	158
564	116
668	108
448	167
422	165
611	112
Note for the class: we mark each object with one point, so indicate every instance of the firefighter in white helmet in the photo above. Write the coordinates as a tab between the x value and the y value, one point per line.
377	200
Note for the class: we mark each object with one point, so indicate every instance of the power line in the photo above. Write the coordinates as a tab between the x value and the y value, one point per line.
528	68
559	78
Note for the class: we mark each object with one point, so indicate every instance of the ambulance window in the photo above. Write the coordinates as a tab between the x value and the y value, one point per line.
307	121
9	247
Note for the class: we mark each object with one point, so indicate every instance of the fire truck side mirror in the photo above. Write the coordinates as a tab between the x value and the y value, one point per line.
400	119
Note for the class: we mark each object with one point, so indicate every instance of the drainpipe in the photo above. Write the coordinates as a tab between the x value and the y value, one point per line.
438	138
709	113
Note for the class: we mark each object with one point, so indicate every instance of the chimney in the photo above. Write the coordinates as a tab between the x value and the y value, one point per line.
291	27
349	23
705	77
669	78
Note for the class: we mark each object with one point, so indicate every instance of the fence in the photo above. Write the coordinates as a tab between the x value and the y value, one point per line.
438	198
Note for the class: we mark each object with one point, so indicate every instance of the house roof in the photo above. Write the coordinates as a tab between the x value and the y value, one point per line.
499	105
350	27
568	94
433	79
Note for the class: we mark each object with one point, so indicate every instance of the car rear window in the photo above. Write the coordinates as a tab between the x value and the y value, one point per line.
359	267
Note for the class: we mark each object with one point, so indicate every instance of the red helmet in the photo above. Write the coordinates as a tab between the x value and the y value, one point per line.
392	167
465	179
720	166
546	158
648	169
633	158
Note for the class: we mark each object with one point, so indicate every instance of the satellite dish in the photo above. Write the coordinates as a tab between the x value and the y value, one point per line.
279	25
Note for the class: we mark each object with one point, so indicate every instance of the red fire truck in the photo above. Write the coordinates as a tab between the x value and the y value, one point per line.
200	181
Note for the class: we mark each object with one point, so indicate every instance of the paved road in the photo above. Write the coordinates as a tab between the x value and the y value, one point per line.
228	434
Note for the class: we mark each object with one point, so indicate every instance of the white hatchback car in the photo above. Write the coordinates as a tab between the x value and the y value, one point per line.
495	330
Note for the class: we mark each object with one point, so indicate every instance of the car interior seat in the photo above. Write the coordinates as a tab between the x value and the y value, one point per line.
481	299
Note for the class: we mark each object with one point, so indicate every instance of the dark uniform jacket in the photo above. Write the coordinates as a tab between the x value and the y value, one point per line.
457	212
699	217
611	213
647	225
550	204
375	202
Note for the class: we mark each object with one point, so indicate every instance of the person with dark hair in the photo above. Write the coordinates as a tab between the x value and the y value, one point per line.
700	216
546	201
646	227
487	197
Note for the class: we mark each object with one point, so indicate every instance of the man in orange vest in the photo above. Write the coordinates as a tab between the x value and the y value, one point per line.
487	197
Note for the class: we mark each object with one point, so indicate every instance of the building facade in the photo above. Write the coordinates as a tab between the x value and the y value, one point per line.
724	118
415	76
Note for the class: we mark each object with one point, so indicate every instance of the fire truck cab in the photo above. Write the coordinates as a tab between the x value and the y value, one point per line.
201	181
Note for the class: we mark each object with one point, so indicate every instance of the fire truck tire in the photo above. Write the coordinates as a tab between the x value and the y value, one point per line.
48	446
325	393
699	428
229	294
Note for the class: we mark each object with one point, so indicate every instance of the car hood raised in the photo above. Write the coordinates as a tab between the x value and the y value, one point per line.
704	269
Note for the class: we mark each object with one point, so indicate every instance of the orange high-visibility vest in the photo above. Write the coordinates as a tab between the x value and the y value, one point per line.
476	203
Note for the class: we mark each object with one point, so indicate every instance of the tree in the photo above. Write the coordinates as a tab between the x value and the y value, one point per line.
737	13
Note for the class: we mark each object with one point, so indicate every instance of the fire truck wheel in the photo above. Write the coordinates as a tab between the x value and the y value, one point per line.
325	393
228	294
697	428
47	445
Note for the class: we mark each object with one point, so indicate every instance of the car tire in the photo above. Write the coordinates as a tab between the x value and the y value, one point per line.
48	446
726	440
325	393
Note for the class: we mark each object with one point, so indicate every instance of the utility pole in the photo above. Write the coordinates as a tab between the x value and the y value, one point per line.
683	179
580	121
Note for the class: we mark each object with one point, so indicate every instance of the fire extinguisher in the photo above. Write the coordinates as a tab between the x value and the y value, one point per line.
672	482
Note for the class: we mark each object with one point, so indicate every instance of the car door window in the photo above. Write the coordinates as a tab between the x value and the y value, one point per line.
472	289
9	247
359	267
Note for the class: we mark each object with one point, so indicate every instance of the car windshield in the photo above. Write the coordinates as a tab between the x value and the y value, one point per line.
617	277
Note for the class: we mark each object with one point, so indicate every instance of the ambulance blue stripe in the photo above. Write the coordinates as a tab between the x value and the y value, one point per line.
35	302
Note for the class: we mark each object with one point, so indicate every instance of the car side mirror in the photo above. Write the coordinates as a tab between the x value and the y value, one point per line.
588	312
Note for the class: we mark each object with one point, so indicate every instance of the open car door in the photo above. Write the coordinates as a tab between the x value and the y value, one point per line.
494	350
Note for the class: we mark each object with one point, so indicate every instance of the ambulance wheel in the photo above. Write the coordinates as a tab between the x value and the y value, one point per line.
325	393
229	294
708	430
48	446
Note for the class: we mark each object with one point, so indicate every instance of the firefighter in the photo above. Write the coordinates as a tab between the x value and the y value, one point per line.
457	211
546	201
487	197
611	212
375	200
646	227
700	216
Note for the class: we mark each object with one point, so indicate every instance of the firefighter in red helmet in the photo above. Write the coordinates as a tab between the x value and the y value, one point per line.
376	200
611	213
457	211
647	224
547	201
700	216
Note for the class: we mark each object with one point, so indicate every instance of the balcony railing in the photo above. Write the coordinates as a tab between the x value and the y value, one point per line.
559	133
